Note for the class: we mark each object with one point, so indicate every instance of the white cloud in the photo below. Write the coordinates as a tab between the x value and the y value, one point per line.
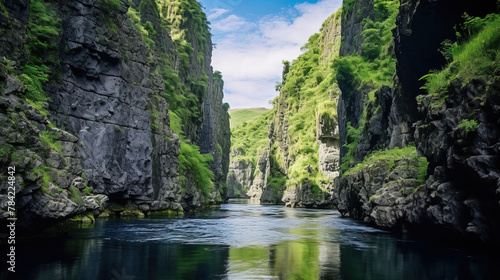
250	59
230	23
217	13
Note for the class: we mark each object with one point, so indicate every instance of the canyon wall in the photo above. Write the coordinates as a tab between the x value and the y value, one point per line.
416	157
105	104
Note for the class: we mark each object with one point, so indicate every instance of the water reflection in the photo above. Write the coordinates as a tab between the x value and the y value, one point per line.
245	242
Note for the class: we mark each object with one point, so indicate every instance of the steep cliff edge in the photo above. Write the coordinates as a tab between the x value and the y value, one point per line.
295	155
92	92
452	125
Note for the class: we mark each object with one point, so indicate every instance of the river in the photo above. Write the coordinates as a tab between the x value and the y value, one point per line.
243	241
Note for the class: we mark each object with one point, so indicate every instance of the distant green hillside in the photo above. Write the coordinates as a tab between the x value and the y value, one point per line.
238	116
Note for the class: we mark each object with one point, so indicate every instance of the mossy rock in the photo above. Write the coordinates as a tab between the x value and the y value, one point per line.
168	212
84	219
132	213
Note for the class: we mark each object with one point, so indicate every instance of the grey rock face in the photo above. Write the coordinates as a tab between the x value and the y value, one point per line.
240	177
380	195
105	99
460	198
215	135
48	187
464	162
260	179
327	134
303	196
115	131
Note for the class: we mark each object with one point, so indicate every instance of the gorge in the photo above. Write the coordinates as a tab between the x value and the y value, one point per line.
383	140
355	127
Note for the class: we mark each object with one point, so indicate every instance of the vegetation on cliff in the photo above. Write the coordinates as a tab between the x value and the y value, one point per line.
185	76
389	156
474	56
309	90
368	70
284	141
89	87
43	29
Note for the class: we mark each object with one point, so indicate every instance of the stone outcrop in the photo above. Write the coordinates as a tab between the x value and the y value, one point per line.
240	176
48	186
327	134
382	195
260	190
457	134
463	185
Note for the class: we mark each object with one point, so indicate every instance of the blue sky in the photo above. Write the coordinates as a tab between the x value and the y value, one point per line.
253	37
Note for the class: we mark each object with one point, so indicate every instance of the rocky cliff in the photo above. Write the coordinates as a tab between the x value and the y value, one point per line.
294	162
453	126
104	101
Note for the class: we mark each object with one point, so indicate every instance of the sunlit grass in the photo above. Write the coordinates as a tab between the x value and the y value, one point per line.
476	58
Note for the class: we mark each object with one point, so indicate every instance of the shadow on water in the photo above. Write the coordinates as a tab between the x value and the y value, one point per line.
242	241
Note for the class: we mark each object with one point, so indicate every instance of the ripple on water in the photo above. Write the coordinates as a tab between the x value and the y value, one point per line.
233	225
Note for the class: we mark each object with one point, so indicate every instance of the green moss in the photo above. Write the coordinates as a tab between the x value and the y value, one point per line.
352	140
44	171
46	191
6	150
168	212
131	212
88	190
49	138
75	194
87	218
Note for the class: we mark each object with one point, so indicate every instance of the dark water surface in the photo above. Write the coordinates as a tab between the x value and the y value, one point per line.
242	241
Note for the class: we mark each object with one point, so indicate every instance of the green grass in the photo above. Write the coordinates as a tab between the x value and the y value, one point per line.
478	57
46	176
389	157
75	194
110	5
239	116
368	70
44	27
88	190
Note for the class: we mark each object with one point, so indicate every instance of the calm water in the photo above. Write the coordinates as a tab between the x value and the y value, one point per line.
242	241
